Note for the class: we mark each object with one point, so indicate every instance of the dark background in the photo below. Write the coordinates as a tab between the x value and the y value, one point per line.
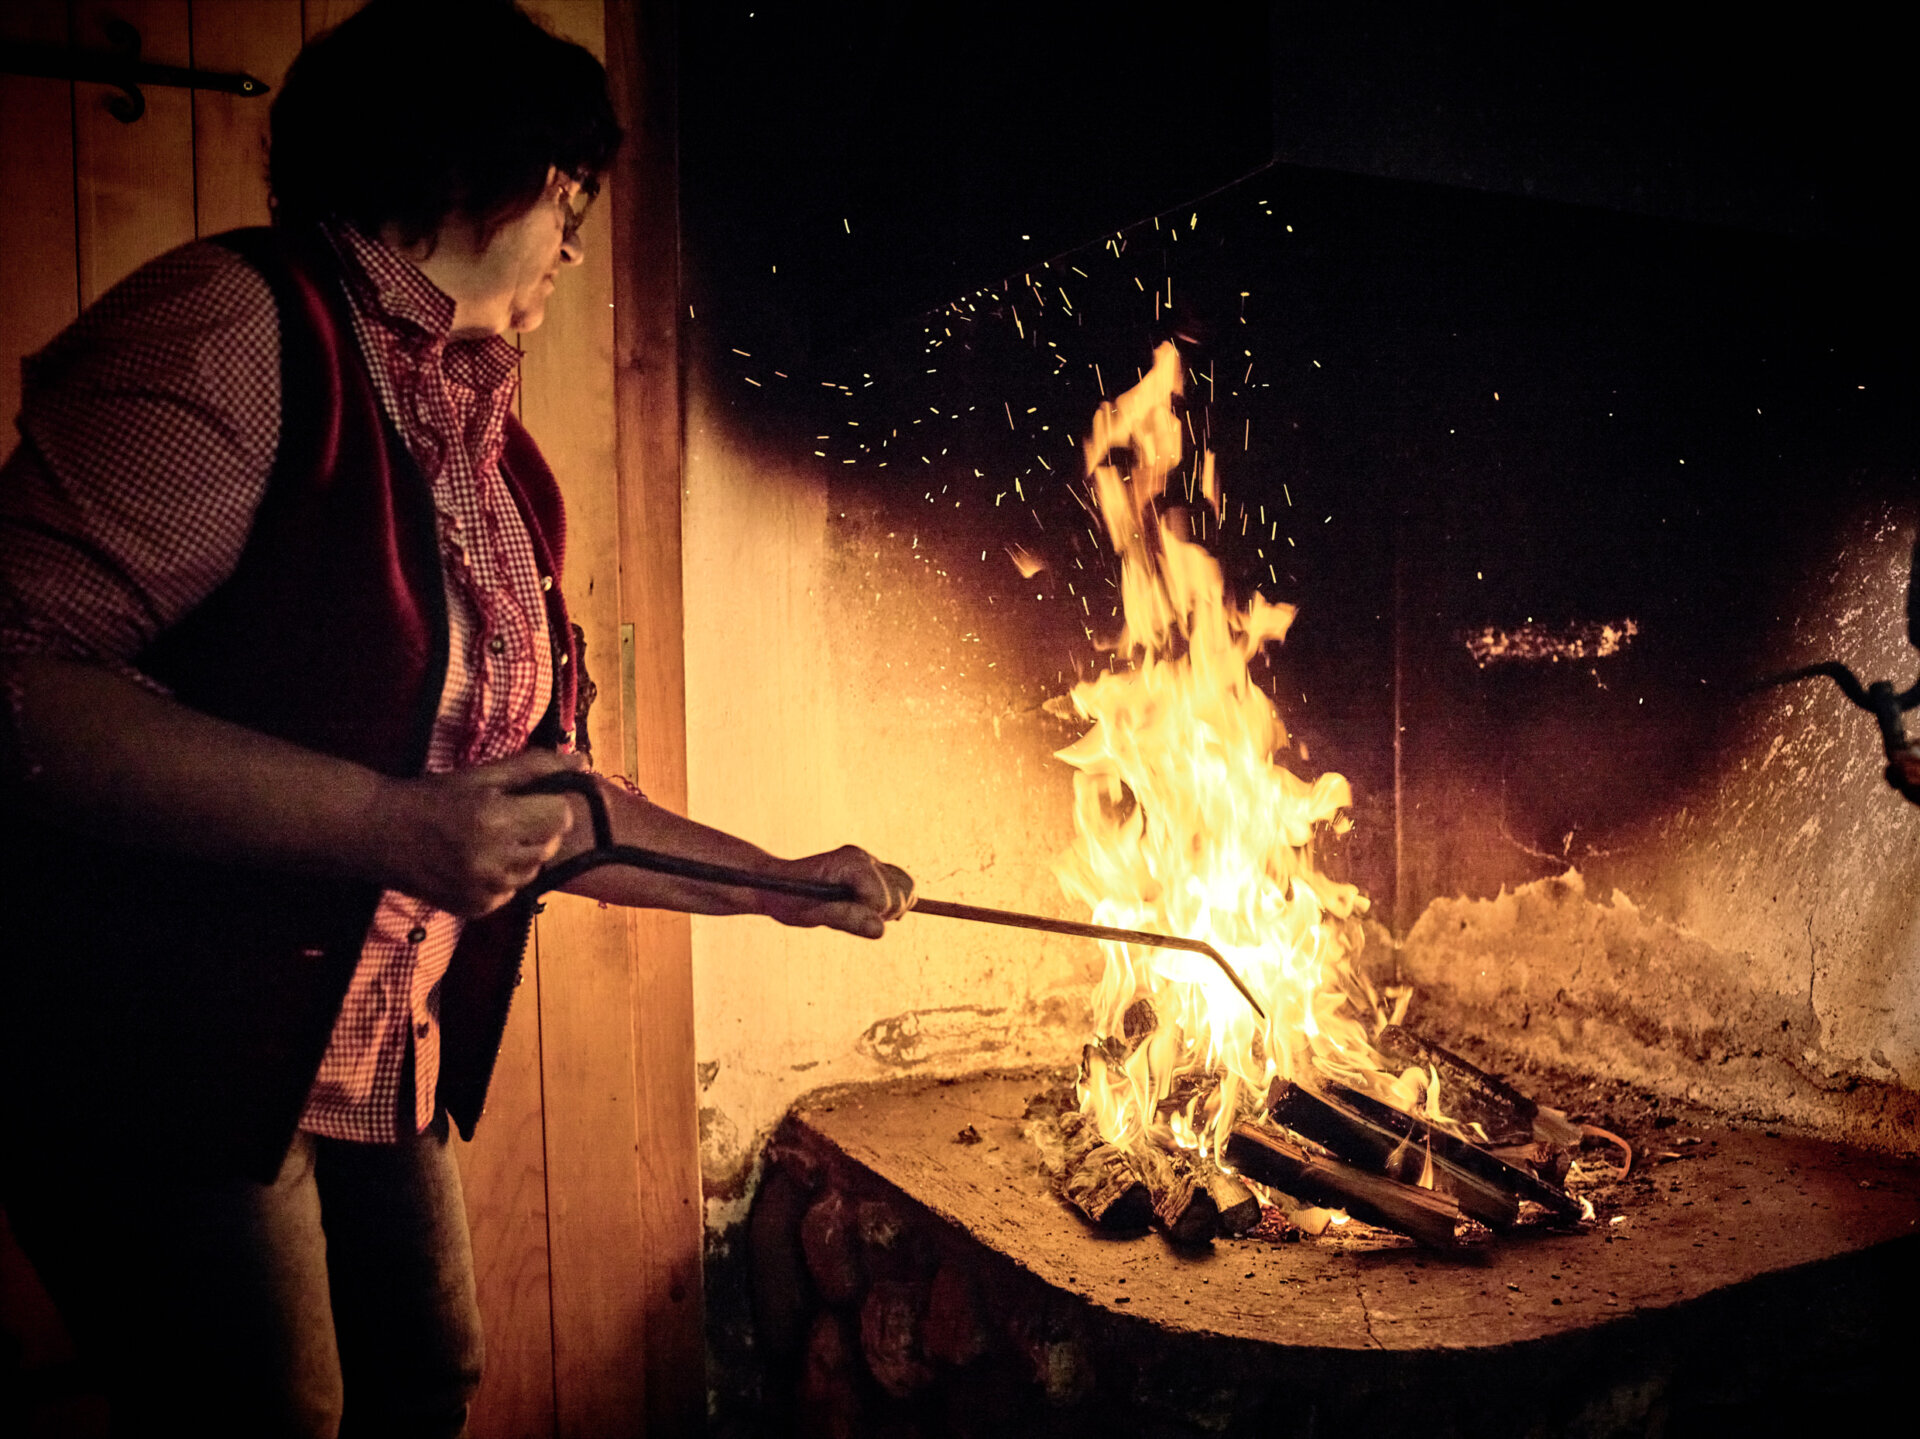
1669	250
889	157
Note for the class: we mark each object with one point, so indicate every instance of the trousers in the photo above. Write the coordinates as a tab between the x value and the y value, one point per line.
335	1303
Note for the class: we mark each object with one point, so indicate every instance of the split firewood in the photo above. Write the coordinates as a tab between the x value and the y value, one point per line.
1473	1096
953	1331
1239	1210
829	1378
1136	1028
1108	1049
1187	1086
1138	1022
832	1250
1267	1157
1182	1206
1400	1154
1099	1180
1460	1155
890	1337
1549	1162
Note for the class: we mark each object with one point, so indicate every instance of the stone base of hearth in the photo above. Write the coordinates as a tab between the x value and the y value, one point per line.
914	1275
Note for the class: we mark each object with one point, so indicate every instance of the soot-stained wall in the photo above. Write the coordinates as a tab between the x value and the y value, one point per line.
1550	486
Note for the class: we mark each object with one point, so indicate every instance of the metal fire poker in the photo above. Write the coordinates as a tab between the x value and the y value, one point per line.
606	852
1879	699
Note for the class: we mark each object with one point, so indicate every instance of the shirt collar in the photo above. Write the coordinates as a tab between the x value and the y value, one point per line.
390	285
395	291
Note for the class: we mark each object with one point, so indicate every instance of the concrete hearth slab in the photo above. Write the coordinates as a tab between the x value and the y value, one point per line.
1741	1276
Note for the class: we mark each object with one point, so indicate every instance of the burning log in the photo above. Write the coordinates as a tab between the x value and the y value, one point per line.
1458	1155
1138	1022
1099	1180
1188	1085
1239	1210
1362	1141
1182	1203
1267	1158
1476	1097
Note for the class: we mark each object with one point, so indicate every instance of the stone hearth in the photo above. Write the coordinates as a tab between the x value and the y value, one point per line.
915	1275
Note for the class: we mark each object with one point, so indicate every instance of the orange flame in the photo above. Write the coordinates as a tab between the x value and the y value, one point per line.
1188	823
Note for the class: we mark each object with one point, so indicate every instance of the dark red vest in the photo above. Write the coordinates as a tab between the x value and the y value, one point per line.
180	1009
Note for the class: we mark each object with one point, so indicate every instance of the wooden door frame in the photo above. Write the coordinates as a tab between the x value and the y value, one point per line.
642	36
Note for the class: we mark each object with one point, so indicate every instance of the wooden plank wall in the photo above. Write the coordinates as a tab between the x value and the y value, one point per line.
582	1183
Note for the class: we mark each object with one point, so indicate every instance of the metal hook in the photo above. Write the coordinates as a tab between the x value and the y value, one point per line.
121	67
1879	699
130	104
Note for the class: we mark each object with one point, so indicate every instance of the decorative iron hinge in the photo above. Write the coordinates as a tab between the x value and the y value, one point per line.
120	67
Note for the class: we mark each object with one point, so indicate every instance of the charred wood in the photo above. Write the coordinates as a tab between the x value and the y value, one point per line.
1186	1087
1548	1162
1099	1180
1473	1096
1460	1155
1266	1157
1137	1023
1239	1210
1182	1205
1136	1028
1399	1155
1109	1049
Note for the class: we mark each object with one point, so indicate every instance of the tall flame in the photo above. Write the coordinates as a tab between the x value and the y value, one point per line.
1188	823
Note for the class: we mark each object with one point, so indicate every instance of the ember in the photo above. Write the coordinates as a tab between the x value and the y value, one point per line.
1491	645
1188	823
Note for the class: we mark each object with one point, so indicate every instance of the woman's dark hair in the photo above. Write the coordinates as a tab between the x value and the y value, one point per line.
411	111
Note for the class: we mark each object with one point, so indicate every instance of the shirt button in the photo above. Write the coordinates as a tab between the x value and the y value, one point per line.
416	934
564	656
546	582
420	1030
497	645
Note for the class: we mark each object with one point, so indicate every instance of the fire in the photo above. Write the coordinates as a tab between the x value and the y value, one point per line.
1188	823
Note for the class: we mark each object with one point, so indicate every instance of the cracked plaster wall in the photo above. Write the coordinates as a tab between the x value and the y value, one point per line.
1757	944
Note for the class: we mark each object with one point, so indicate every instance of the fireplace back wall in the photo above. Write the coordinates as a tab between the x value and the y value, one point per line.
1473	426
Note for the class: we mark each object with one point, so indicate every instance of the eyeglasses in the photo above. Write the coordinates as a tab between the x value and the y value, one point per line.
574	207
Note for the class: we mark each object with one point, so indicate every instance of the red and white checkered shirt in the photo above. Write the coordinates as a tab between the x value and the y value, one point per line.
152	425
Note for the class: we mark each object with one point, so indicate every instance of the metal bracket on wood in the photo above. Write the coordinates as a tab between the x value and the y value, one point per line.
120	67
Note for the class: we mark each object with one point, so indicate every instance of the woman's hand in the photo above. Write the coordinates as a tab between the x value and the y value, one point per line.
465	842
882	892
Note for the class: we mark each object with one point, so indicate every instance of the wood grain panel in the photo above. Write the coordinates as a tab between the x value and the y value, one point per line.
592	1108
567	401
41	293
135	188
641	39
504	1174
260	37
587	994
